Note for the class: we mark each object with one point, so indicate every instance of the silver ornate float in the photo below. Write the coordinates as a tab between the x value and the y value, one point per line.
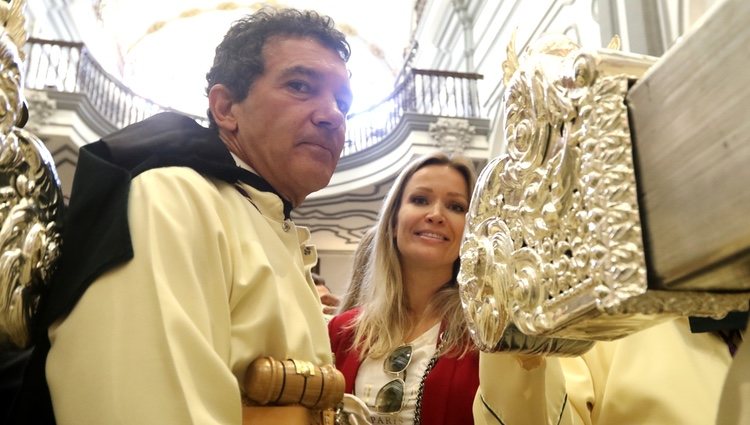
30	195
553	245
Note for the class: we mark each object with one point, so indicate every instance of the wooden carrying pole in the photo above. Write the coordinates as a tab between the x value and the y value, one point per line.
690	119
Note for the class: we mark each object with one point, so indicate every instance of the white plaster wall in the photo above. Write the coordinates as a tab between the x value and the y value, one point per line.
336	269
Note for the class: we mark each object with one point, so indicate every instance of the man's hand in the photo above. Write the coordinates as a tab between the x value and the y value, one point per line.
329	301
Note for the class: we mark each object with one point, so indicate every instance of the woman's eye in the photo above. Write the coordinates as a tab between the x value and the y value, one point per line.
419	200
460	208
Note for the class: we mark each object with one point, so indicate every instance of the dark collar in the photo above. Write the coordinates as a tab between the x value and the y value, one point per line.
735	320
170	139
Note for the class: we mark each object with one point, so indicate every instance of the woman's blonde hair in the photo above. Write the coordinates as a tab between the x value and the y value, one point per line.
359	265
383	318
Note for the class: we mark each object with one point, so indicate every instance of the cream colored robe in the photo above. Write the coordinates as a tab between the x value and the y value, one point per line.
734	408
663	375
216	281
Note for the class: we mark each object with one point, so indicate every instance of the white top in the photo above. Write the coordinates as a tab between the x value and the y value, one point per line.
371	378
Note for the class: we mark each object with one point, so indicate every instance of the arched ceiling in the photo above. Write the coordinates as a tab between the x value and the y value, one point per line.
163	48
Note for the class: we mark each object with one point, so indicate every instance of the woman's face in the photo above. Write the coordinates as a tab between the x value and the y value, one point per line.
430	222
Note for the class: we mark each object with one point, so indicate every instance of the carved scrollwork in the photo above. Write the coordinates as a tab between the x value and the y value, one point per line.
44	108
30	196
553	243
453	135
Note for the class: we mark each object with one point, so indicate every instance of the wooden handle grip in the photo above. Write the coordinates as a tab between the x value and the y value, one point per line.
272	382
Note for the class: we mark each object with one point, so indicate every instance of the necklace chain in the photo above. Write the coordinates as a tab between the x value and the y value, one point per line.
420	393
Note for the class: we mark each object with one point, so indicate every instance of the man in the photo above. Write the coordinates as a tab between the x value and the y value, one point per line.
327	298
181	264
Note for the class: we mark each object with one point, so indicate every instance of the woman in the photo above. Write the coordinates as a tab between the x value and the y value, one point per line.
405	351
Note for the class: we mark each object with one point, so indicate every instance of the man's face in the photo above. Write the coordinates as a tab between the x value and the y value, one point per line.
291	127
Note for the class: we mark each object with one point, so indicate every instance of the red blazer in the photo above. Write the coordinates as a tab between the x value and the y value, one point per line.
449	388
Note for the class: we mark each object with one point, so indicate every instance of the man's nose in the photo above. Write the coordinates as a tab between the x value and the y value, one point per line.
328	114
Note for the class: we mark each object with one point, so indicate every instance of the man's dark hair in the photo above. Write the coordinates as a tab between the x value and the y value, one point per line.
239	57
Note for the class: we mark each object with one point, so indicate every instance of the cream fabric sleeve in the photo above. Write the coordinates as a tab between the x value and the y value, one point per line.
511	394
734	408
156	340
662	375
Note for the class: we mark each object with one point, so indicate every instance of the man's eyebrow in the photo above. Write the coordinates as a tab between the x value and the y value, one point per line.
301	70
311	73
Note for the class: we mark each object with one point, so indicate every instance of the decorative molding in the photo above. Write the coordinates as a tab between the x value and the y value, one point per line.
80	104
40	110
338	223
453	135
409	123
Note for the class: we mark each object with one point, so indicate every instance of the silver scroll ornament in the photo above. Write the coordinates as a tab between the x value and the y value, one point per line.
30	195
553	246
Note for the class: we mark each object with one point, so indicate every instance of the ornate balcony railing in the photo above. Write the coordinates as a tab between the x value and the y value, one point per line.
68	67
425	92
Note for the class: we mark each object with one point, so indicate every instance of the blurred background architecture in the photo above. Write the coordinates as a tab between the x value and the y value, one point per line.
427	75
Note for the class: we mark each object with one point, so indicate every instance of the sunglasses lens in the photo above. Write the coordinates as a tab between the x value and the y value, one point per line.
398	360
389	397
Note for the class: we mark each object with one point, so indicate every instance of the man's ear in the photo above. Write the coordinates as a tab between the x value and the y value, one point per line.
220	104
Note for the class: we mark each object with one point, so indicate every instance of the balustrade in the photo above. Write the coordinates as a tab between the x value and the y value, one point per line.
65	66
